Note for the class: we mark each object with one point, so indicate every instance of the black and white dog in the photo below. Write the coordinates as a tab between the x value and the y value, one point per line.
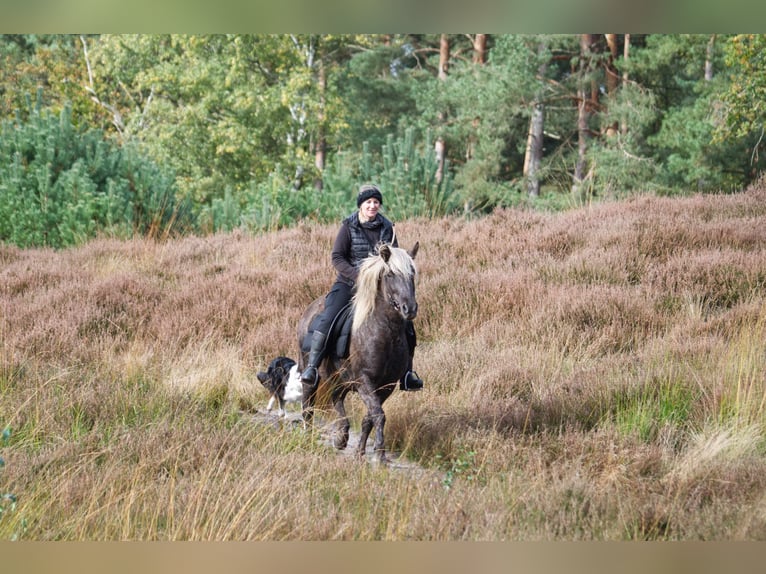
283	381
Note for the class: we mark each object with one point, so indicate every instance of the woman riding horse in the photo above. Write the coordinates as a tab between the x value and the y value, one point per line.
378	354
359	236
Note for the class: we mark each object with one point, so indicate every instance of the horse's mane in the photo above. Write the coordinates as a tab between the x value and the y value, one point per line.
370	271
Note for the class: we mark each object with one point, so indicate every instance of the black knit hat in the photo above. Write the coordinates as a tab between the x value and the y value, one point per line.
367	191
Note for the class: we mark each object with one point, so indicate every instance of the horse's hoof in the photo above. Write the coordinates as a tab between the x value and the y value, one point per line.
340	443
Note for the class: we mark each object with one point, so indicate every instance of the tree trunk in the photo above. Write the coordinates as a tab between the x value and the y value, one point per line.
479	59
480	49
444	54
625	57
320	145
583	115
582	140
534	152
440	150
709	53
612	78
117	121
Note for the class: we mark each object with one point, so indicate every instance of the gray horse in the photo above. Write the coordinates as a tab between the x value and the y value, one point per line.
384	300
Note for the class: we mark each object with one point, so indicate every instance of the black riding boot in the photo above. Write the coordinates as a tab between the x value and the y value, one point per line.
411	381
310	374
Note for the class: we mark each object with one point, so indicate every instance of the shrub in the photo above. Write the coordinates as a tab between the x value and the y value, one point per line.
61	185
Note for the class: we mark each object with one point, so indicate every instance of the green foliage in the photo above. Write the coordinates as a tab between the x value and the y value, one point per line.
223	110
379	97
689	141
660	402
621	162
201	105
407	174
28	61
693	159
689	111
746	95
461	466
231	118
481	113
405	170
61	185
743	104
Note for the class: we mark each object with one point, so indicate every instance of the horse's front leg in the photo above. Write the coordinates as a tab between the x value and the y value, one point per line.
364	434
342	425
375	417
307	403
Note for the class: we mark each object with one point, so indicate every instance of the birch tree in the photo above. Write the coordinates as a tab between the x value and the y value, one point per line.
534	151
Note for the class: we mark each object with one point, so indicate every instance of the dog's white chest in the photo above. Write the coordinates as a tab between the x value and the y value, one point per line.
294	387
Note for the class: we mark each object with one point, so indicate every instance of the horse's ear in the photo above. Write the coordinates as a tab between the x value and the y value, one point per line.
385	252
414	251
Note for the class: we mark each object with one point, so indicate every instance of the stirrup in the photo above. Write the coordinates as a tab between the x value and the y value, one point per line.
411	382
310	375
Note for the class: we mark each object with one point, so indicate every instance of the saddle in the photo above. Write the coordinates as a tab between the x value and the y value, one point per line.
339	337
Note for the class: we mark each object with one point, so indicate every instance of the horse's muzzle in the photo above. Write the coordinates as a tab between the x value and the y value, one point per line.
409	312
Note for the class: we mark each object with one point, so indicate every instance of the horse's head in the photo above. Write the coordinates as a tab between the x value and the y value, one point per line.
397	284
389	275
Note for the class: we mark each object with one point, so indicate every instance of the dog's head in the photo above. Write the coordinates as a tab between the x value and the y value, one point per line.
275	377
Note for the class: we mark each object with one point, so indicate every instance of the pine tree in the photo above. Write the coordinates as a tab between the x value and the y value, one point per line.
60	185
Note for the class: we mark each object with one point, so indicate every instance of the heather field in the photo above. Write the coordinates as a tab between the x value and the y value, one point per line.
598	374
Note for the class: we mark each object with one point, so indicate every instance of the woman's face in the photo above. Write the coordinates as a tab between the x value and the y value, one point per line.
369	209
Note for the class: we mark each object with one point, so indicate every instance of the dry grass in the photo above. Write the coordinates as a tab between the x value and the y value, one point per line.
596	374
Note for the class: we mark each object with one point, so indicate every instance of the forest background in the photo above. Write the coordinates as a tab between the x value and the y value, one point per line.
158	135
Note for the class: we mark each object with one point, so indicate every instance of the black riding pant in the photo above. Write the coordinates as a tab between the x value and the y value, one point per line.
338	297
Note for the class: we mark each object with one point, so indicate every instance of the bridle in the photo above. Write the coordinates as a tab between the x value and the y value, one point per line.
393	303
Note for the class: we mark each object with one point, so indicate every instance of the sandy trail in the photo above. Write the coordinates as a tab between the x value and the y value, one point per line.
396	461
